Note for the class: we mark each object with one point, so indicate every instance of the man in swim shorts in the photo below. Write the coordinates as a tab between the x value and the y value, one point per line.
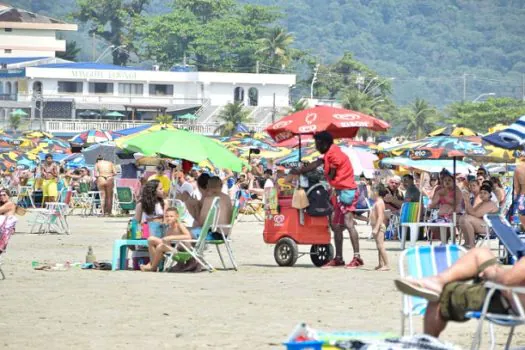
49	172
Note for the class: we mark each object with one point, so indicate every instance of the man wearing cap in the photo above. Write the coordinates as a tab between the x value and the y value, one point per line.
339	173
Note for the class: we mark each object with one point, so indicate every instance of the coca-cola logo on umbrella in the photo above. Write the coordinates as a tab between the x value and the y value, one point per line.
310	118
307	128
282	124
354	124
347	116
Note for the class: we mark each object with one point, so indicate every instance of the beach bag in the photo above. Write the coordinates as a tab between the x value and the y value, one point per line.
20	211
134	230
299	199
319	200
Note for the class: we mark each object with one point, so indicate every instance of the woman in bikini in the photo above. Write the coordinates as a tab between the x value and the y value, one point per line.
444	200
105	173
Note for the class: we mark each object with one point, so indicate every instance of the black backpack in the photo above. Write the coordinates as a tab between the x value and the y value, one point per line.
319	200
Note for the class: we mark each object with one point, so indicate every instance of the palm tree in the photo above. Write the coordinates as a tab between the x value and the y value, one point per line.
421	118
14	121
231	116
274	47
297	106
164	119
71	53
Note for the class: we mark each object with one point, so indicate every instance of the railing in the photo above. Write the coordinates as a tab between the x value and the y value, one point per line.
116	99
78	126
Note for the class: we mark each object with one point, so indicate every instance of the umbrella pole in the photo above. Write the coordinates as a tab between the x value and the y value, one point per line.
299	148
454	214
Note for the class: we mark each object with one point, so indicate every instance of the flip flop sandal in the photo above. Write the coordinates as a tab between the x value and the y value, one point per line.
413	289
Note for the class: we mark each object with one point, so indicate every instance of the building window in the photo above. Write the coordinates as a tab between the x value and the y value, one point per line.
238	94
8	50
101	88
8	29
253	96
74	87
160	90
130	89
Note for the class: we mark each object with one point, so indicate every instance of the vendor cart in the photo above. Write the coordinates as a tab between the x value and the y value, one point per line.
285	230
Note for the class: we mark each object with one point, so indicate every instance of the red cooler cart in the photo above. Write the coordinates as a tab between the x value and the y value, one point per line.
286	232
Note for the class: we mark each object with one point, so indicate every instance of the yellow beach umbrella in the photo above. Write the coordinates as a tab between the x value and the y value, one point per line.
453	130
497	127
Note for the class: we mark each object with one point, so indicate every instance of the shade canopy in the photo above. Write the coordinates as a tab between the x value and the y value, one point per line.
19	112
187	116
182	144
114	114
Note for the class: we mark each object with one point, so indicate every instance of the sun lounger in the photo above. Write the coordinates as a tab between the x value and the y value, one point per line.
506	234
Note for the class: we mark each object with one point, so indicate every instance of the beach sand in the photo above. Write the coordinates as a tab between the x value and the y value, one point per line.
254	308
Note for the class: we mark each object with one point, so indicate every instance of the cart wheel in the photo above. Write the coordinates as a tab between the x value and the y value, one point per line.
321	254
285	252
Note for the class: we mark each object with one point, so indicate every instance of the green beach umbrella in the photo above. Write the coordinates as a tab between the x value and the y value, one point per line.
114	114
182	144
187	116
19	112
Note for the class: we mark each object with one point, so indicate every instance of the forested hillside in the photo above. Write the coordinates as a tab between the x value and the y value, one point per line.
430	48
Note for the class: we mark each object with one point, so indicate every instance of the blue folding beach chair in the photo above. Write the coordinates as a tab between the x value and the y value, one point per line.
419	262
508	237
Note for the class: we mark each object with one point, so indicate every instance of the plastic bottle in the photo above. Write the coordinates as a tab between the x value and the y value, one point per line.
90	257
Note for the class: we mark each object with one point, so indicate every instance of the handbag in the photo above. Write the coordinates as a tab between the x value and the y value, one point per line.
20	211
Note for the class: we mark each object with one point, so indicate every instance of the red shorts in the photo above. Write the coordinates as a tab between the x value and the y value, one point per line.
340	209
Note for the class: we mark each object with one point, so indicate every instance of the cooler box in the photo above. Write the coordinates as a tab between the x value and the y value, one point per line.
286	223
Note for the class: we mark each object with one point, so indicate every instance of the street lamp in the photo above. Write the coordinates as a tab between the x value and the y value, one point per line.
112	48
482	95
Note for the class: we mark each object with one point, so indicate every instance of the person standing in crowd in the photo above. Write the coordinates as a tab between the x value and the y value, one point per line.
105	174
339	173
49	173
378	221
162	178
182	186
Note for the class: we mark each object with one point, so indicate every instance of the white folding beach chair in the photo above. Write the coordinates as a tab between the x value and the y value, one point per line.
54	217
419	262
195	248
225	231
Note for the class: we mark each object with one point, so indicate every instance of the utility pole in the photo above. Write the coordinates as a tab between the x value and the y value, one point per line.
523	87
257	67
93	50
314	79
464	87
274	111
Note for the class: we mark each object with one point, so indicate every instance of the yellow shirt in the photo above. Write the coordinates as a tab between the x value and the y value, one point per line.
164	181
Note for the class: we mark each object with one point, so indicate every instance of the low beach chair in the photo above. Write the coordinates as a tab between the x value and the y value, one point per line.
226	231
54	217
505	320
195	248
123	200
419	262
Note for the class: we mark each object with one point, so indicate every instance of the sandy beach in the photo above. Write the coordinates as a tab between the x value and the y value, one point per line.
254	308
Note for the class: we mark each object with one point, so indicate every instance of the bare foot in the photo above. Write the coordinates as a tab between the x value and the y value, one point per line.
146	268
384	268
378	267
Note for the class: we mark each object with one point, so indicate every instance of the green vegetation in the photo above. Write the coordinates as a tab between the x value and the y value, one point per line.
425	56
231	116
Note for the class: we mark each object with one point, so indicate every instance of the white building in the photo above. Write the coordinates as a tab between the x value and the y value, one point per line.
57	94
26	34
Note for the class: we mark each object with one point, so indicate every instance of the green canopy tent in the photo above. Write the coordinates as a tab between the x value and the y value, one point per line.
19	113
114	114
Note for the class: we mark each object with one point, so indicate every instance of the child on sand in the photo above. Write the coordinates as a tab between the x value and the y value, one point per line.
377	221
176	231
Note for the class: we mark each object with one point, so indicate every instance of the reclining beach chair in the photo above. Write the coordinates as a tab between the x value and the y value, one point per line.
509	239
419	262
505	320
54	217
225	231
195	248
123	200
